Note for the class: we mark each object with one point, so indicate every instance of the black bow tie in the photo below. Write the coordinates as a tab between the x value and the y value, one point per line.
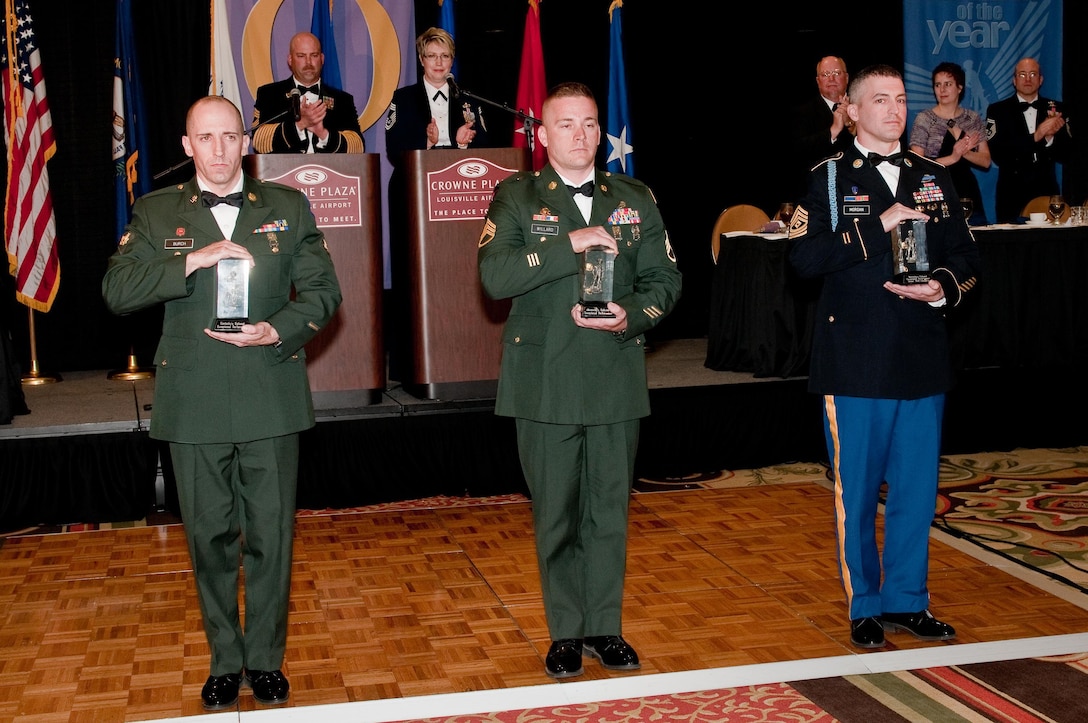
315	89
439	94
209	199
1036	104
586	189
896	159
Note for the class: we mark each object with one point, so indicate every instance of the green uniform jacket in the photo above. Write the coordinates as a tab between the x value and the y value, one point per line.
207	391
552	370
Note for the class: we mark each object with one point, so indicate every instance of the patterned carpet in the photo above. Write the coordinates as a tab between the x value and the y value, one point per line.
1030	506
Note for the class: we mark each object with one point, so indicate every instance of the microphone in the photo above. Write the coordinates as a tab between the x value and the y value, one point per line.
296	103
454	90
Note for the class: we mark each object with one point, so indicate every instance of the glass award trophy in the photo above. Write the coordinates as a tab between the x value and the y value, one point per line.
598	267
232	295
910	256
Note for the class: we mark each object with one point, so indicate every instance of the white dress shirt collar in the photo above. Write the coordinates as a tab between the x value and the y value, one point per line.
889	171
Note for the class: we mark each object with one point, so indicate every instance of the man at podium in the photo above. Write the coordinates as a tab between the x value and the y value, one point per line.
301	114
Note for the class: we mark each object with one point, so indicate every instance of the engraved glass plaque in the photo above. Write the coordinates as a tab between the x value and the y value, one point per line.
232	295
910	254
598	266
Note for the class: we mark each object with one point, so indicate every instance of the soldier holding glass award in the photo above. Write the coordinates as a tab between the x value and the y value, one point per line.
246	280
585	258
885	232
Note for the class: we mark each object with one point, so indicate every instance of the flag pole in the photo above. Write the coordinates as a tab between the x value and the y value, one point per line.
35	377
133	371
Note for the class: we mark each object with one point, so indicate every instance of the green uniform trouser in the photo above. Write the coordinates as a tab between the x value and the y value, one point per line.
580	481
238	503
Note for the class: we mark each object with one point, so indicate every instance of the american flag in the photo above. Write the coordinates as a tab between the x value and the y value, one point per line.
29	226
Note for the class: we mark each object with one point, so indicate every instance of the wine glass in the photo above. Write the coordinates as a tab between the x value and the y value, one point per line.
968	209
1056	209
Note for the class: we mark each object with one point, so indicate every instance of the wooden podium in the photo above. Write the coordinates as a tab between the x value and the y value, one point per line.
456	330
346	361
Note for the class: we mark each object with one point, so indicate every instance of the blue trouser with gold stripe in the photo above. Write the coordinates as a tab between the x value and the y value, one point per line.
869	442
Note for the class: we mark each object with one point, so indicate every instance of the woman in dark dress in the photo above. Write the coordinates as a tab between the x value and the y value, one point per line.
953	136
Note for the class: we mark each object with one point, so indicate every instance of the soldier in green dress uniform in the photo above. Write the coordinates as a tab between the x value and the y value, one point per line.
231	404
577	385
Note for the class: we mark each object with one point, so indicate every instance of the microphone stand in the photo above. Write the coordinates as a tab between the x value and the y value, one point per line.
249	132
527	120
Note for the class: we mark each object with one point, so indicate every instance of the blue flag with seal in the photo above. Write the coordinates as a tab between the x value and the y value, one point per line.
986	40
131	176
321	26
445	22
618	130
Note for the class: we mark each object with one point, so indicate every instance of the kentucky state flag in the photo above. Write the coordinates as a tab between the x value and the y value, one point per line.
129	149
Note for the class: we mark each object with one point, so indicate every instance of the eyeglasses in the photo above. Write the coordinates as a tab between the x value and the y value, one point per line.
831	74
1024	74
433	57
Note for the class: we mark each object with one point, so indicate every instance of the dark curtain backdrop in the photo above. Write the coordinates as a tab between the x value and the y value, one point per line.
709	99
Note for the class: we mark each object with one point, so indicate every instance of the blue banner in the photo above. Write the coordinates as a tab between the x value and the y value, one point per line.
986	39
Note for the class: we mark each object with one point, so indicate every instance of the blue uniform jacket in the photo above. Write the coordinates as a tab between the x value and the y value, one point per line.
867	342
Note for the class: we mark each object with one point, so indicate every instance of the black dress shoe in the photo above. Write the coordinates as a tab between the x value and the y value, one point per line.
220	691
564	658
867	633
269	686
613	652
921	625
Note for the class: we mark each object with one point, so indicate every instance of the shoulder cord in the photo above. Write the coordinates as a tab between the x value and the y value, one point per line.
831	195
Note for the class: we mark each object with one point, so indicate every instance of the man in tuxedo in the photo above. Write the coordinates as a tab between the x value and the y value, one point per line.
821	126
231	403
880	352
1028	134
301	114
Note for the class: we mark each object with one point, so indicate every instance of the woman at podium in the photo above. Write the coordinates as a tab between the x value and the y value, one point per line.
432	113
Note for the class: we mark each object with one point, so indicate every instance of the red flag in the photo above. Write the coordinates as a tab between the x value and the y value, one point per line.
531	86
29	226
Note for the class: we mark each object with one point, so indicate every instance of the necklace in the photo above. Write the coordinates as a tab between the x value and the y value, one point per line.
950	122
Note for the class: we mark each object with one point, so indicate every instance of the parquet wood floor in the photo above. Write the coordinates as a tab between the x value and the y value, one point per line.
104	625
